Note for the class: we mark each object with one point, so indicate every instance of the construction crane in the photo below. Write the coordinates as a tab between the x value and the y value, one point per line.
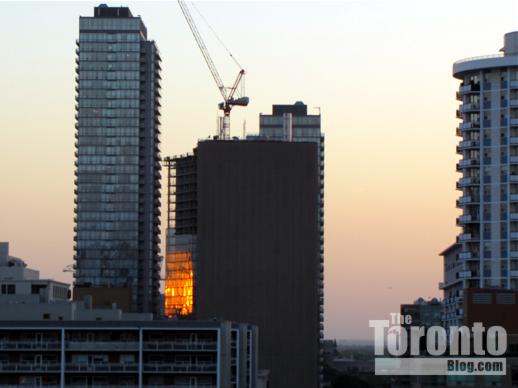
227	93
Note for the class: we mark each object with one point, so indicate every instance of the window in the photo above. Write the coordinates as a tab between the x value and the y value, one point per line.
8	289
35	288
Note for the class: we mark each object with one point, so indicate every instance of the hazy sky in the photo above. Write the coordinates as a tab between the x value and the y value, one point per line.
379	70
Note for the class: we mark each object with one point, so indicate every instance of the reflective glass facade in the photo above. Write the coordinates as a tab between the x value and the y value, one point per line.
117	157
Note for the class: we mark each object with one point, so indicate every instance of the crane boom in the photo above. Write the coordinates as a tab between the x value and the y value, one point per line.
203	48
228	96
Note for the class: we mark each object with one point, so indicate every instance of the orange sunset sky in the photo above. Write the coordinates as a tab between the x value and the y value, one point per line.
379	70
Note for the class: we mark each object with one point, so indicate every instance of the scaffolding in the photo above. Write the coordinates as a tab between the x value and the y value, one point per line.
181	235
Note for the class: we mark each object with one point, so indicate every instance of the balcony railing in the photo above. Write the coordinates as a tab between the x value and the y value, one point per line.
463	145
469	107
469	162
465	255
27	345
467	218
100	345
29	367
175	345
180	367
469	125
101	367
478	58
465	199
465	237
464	274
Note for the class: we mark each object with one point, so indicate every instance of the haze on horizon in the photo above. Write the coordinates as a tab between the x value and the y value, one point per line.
380	71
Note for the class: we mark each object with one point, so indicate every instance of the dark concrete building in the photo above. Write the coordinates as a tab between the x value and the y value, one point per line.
257	246
424	313
491	307
117	162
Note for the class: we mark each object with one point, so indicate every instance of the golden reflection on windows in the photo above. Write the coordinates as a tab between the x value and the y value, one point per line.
178	284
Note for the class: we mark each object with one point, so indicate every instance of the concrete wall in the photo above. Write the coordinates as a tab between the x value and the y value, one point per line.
4	253
37	311
104	297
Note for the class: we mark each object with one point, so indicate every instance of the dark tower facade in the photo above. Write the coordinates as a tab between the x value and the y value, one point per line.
248	214
117	182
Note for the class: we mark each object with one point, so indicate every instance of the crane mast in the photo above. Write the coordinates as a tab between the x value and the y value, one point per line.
228	96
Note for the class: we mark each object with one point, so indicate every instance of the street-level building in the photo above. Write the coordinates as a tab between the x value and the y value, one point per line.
177	354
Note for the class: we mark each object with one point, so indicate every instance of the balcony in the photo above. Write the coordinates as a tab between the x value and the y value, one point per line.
467	219
513	197
469	125
468	163
469	88
102	367
467	144
513	140
513	159
513	216
514	121
514	255
465	89
466	237
29	367
469	107
180	367
464	274
513	273
513	84
465	200
101	345
513	103
24	345
465	255
468	181
181	346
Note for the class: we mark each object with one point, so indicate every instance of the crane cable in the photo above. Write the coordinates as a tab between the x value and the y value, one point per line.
216	35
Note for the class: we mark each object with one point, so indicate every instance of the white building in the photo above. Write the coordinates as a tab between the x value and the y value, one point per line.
486	253
19	284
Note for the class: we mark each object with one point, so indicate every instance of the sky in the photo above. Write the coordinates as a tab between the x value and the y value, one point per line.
380	72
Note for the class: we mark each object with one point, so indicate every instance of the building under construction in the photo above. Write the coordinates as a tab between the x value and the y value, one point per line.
243	244
181	235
